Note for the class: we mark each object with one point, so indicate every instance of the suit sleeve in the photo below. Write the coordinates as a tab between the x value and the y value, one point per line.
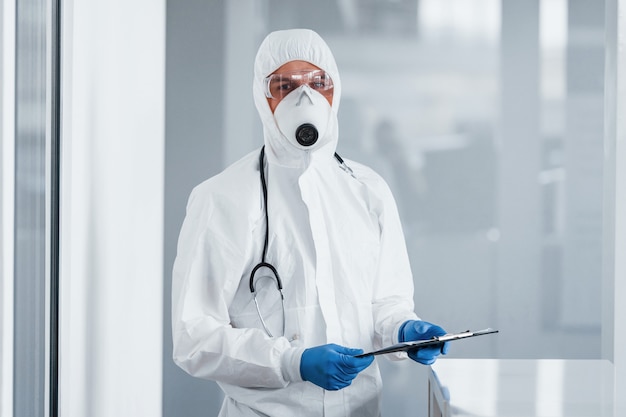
207	270
392	297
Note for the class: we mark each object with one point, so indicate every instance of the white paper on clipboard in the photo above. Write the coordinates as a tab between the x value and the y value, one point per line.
406	346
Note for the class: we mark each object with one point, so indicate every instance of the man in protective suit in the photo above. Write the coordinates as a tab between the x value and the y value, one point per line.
291	261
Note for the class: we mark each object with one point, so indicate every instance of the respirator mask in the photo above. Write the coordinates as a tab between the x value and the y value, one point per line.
303	116
304	113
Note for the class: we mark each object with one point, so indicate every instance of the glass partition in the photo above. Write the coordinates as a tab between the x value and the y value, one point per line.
486	119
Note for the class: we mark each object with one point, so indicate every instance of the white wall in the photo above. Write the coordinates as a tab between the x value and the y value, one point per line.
112	208
614	280
7	149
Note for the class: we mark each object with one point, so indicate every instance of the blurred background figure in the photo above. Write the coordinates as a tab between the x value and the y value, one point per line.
400	166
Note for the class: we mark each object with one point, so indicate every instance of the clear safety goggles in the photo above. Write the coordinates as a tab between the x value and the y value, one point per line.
278	86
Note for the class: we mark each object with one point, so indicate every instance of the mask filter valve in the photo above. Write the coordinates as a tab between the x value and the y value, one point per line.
306	134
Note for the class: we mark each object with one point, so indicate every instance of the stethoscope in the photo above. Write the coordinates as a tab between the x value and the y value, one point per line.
264	263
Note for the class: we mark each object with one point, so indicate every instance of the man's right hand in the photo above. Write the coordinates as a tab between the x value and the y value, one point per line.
331	366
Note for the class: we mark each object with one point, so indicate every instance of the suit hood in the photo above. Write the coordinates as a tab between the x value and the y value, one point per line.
277	49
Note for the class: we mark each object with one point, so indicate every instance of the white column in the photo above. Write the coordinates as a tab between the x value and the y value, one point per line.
519	193
614	281
7	169
581	266
245	28
112	208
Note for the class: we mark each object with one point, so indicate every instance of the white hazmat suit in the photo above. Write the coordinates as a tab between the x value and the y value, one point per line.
336	241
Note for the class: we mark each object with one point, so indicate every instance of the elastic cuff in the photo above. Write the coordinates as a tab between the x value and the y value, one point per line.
290	364
399	330
395	336
395	339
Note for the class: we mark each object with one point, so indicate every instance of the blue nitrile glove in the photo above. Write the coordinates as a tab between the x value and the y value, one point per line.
413	330
332	367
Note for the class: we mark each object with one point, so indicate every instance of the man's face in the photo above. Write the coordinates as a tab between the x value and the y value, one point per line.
297	67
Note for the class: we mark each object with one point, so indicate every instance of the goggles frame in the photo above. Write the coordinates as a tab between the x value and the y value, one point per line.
279	85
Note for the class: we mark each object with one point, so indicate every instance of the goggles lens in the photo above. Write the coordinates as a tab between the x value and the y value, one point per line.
278	86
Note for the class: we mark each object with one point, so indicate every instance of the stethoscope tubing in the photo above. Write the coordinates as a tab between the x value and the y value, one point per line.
264	263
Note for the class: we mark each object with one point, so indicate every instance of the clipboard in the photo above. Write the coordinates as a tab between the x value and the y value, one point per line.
418	344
